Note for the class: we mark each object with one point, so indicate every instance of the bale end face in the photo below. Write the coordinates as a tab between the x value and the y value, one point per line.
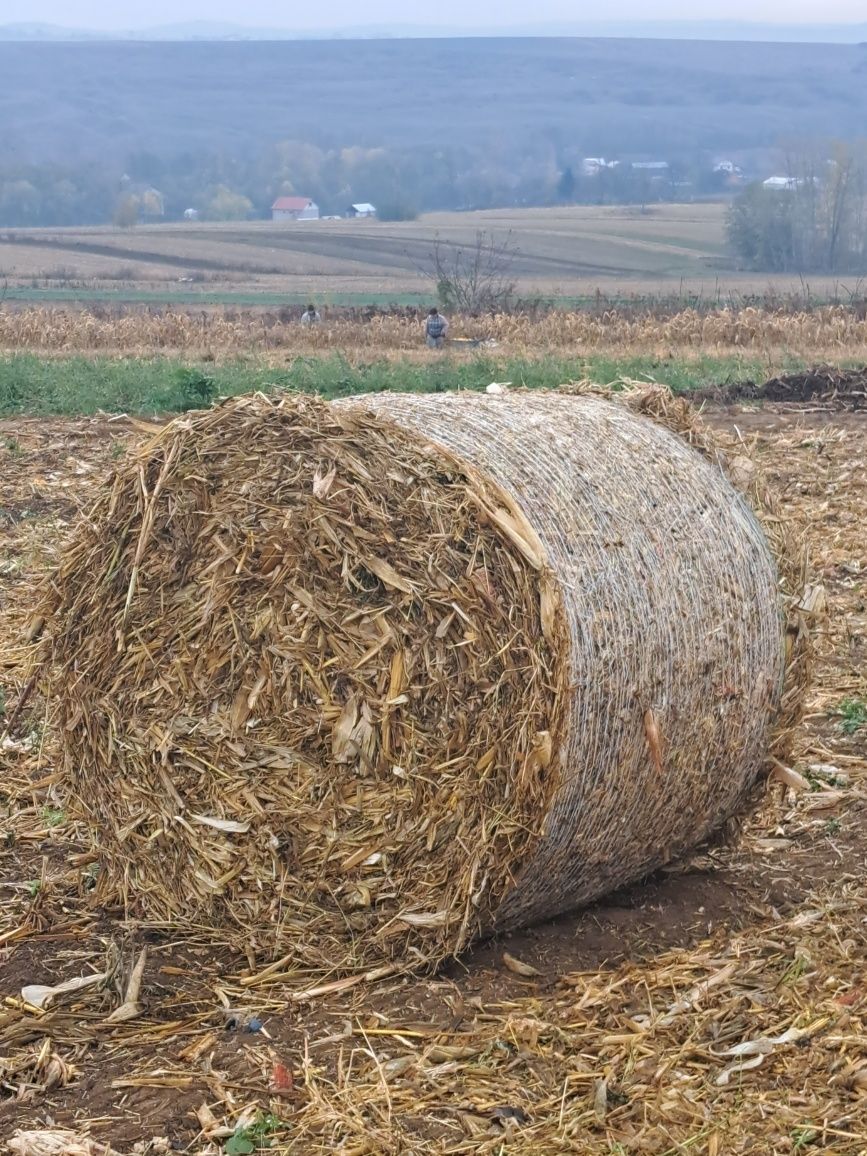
304	685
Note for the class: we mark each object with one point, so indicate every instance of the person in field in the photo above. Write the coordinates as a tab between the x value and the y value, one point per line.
310	316
435	328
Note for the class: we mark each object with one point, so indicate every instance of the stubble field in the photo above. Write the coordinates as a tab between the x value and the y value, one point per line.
719	1007
568	252
149	360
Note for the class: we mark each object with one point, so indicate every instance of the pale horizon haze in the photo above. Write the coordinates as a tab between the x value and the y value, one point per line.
100	16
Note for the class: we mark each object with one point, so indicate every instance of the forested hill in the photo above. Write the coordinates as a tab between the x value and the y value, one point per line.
66	103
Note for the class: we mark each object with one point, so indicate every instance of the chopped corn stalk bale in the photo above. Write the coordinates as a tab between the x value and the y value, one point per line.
373	678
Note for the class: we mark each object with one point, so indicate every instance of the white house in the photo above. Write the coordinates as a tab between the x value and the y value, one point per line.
593	166
782	183
362	210
730	174
294	209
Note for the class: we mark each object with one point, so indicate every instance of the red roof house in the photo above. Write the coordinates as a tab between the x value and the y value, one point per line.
294	209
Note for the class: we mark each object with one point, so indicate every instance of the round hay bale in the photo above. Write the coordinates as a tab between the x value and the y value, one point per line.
368	679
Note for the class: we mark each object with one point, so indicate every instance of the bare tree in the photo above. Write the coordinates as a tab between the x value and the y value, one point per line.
818	223
476	277
840	182
126	212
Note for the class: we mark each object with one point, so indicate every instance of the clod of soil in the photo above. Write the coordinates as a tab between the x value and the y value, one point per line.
838	388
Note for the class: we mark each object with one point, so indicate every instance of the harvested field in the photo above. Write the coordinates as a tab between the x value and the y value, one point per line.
718	1009
832	331
572	251
561	250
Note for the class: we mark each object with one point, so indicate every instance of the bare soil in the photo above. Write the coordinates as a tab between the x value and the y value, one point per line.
830	388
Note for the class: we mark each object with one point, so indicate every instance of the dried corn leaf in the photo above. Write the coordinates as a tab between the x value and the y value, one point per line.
518	966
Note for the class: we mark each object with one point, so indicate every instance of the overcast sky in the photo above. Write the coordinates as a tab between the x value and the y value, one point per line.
100	14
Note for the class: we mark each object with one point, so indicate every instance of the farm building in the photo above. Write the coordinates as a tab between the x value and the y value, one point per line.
362	210
782	183
593	166
294	209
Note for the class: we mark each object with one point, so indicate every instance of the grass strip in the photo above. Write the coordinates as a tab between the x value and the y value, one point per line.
35	385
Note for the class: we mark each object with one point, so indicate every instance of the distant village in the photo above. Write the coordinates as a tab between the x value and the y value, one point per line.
305	209
660	170
730	176
302	209
597	180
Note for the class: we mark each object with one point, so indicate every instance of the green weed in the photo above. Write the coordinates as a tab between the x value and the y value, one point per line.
794	971
803	1137
853	712
195	389
255	1136
39	386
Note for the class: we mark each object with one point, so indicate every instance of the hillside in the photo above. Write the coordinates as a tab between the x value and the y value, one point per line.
64	102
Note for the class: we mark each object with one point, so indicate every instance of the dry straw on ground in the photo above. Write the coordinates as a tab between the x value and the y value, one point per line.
627	1041
365	684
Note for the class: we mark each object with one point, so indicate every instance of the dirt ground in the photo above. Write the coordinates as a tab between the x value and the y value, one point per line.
719	1007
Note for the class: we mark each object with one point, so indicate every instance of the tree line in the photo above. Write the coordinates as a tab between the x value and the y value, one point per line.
400	182
815	223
